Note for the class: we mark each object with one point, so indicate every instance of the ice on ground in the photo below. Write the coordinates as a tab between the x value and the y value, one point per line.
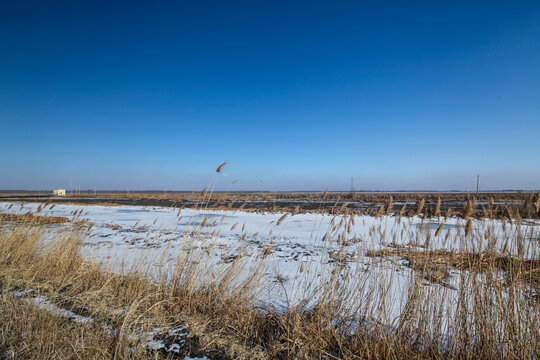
44	303
300	253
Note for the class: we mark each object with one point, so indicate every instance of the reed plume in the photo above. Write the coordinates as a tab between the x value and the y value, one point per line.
220	167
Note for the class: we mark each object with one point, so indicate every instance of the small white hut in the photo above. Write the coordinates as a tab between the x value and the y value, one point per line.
59	192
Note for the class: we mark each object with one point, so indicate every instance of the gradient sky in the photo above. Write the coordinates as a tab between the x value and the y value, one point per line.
294	95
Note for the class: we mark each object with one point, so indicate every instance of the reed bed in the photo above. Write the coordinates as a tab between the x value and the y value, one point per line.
489	308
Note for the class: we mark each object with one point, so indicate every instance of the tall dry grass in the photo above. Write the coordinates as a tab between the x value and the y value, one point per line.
490	310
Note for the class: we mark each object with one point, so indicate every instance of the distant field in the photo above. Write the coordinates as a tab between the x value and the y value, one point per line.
486	204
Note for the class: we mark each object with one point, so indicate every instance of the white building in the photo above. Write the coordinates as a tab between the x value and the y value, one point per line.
59	192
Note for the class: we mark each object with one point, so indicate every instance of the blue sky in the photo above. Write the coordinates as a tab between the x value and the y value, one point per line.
294	95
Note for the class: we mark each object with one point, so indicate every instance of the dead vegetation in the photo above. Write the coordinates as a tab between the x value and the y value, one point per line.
95	313
434	265
31	218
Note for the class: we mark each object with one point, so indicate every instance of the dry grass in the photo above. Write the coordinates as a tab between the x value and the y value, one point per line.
434	264
490	319
56	272
36	219
32	218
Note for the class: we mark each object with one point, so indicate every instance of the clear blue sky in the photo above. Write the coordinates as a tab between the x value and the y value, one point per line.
294	95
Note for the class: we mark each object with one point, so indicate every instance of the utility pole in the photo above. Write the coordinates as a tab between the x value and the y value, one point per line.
95	190
477	183
352	187
70	185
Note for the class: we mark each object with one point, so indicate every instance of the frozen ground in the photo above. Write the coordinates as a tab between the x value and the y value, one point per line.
297	254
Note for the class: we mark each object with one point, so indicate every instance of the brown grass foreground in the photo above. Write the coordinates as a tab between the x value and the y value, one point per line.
93	313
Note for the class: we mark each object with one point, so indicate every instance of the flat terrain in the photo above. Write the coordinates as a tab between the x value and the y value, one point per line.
278	280
297	249
359	203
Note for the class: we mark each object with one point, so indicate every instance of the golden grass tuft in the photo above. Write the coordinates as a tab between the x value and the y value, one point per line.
420	206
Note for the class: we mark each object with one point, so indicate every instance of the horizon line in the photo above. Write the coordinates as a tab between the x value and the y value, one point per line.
87	191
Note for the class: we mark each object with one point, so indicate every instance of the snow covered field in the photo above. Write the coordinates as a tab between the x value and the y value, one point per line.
297	254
